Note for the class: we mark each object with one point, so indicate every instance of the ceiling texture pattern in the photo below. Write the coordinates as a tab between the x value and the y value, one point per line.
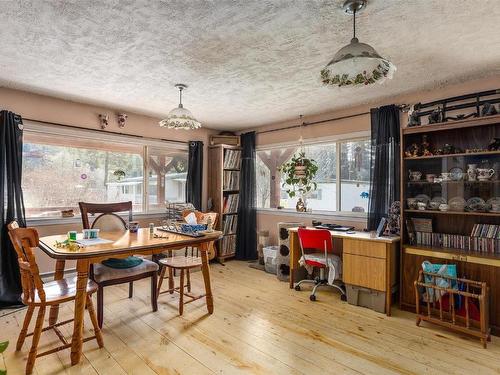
247	62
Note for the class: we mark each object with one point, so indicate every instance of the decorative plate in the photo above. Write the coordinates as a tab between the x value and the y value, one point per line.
493	204
475	204
456	173
435	202
457	204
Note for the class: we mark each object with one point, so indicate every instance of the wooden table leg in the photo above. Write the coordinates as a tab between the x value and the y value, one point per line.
82	268
58	275
293	249
206	276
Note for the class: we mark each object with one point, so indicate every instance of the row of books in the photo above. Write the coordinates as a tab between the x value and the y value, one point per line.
231	180
457	241
232	159
228	245
231	203
486	231
230	224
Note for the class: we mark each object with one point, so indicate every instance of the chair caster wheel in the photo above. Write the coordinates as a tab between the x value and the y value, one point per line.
343	297
297	288
312	297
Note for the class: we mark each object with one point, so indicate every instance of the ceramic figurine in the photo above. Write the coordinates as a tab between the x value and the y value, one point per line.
412	150
426	146
413	117
488	110
300	206
494	145
436	116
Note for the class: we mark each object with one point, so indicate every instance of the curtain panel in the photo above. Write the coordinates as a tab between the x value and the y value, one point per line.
246	240
385	162
11	204
194	180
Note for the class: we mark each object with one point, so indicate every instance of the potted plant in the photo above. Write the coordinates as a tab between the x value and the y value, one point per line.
3	347
299	173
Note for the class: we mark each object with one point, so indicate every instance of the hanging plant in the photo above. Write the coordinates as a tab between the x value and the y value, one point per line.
299	173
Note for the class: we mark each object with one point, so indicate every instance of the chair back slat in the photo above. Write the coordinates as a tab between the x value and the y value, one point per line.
23	241
103	208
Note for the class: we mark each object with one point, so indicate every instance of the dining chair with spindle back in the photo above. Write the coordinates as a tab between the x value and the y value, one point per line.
36	293
108	220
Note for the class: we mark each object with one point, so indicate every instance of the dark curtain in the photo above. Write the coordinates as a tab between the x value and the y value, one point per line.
385	162
246	234
195	174
11	204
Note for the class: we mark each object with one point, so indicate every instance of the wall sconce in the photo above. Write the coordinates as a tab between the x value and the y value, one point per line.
104	120
122	119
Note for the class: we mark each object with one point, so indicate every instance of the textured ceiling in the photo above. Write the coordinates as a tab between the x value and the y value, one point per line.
247	62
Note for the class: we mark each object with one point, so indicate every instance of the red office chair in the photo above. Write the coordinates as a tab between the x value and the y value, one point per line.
312	240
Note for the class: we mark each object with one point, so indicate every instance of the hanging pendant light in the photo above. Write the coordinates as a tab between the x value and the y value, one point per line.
180	117
356	63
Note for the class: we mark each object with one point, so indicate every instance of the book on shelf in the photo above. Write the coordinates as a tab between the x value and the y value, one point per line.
232	159
231	180
231	203
230	224
228	245
486	231
485	245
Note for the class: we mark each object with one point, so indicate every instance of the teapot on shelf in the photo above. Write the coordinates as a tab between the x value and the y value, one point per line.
414	175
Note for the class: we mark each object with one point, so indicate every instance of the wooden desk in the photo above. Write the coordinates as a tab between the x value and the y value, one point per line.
124	244
367	262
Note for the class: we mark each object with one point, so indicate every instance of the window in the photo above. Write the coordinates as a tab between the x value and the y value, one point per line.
62	167
352	158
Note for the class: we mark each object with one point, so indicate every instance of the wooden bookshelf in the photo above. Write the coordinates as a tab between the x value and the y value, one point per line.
223	188
473	134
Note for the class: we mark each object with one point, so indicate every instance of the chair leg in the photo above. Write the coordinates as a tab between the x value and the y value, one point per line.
160	281
100	306
34	343
154	291
93	319
181	293
171	280
24	330
188	280
130	289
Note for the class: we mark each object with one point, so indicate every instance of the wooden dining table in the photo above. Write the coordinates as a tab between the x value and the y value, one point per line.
123	244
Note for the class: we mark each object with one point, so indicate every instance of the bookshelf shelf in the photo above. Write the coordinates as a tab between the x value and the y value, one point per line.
466	213
469	154
223	189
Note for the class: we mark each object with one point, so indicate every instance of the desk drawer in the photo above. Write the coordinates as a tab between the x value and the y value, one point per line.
364	271
367	248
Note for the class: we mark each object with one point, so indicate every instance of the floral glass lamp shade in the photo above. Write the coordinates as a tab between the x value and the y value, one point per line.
180	117
356	63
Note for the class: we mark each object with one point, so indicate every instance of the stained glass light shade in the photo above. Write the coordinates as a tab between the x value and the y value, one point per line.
357	64
180	118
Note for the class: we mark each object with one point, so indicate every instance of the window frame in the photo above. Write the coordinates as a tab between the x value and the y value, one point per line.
145	143
338	139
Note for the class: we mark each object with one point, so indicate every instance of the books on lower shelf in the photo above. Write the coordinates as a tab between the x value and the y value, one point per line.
230	224
231	180
228	245
231	203
232	159
482	245
486	231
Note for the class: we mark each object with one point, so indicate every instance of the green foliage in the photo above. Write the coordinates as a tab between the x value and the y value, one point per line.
3	347
299	184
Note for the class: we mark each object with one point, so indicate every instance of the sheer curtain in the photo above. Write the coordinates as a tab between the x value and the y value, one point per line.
11	204
385	162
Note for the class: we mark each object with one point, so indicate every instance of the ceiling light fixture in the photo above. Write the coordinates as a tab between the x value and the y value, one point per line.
356	63
180	117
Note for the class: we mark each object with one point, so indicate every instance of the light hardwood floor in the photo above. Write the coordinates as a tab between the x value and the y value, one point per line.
260	326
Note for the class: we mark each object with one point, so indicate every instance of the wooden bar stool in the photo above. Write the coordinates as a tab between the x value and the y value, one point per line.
38	294
184	264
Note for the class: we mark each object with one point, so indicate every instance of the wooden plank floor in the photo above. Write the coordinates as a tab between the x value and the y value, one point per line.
259	327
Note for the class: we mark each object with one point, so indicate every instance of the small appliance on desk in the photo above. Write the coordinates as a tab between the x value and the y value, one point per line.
335	227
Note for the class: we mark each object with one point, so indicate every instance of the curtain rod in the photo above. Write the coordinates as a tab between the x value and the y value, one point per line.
402	107
105	131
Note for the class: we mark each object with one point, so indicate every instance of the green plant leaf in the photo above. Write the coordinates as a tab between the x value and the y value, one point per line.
3	372
3	346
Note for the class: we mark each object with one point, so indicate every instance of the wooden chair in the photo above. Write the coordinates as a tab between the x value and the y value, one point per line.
37	294
184	264
104	276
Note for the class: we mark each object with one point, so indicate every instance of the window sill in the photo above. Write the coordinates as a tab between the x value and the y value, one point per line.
37	222
345	216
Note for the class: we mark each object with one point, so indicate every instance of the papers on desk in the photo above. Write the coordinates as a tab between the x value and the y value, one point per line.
92	241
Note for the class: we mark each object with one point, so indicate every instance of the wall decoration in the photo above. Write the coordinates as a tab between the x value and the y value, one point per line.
104	121
122	119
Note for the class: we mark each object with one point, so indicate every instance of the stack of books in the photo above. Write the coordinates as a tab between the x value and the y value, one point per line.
228	245
232	159
231	180
485	238
231	203
230	224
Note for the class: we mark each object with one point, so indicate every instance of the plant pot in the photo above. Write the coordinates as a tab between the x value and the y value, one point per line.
300	171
